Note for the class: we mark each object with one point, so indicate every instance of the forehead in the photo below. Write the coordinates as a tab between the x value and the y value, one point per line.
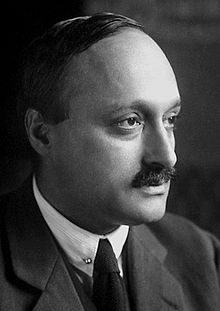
126	67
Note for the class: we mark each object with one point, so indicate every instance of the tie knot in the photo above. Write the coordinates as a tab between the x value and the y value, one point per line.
105	261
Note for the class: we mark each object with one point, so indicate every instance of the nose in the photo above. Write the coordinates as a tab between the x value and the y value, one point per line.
159	148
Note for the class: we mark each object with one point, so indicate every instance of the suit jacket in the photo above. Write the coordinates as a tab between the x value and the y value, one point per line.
170	265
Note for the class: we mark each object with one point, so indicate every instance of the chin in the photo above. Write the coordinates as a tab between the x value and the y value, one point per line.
147	211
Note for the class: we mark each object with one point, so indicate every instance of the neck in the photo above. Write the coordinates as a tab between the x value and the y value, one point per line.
74	213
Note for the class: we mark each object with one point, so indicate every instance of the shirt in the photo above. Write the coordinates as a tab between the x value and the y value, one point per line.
79	245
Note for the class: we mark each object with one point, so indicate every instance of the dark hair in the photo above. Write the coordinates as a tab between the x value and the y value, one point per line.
46	57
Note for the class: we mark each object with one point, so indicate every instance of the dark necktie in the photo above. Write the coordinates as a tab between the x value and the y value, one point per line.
109	293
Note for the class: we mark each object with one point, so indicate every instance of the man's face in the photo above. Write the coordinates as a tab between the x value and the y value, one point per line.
123	100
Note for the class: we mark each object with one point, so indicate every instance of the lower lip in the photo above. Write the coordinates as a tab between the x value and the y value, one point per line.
154	190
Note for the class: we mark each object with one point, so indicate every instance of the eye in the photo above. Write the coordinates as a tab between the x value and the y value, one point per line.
170	122
130	123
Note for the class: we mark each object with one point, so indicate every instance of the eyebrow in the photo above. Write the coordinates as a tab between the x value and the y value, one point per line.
176	104
138	104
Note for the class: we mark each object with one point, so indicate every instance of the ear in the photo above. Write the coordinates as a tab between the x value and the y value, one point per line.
37	131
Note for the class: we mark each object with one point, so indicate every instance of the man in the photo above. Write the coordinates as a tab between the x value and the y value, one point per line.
99	101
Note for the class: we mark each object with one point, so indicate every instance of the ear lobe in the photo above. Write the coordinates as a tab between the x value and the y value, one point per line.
37	131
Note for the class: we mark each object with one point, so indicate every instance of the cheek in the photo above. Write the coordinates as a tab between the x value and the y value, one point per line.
94	155
112	156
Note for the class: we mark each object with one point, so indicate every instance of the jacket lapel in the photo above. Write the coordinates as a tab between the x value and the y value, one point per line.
35	258
60	293
151	285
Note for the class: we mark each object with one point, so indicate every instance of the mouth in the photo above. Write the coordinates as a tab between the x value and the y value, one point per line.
160	189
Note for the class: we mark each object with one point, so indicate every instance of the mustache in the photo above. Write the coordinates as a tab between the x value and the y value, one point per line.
153	176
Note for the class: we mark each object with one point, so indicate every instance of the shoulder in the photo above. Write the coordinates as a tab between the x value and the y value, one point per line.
4	202
192	257
187	243
174	229
13	202
7	201
20	192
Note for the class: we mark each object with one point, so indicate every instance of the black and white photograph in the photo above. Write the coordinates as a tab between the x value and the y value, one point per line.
110	156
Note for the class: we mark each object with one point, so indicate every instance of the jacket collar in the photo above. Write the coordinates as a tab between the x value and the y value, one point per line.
35	258
32	248
150	283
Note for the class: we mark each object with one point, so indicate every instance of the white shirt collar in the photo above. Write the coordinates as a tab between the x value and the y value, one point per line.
79	245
